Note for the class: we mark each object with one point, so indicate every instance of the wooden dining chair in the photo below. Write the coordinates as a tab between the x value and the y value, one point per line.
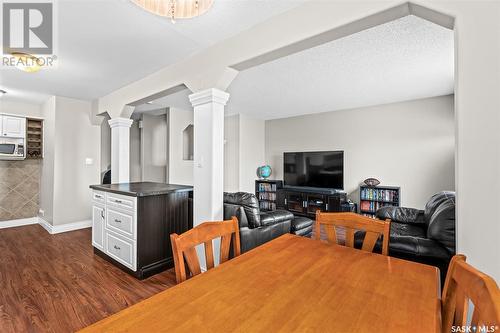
183	246
464	283
352	222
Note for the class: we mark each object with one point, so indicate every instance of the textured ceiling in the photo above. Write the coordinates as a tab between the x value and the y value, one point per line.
106	44
405	59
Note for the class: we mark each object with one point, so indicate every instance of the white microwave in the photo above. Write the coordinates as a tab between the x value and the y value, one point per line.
12	149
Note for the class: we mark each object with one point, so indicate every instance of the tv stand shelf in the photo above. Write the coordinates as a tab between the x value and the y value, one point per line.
306	201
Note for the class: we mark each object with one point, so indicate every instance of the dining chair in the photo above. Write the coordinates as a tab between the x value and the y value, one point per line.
183	246
464	284
352	222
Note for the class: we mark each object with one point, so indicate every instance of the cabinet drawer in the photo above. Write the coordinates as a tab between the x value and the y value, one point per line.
121	250
99	197
122	223
120	201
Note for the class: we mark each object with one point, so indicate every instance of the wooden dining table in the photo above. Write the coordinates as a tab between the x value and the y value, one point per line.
293	284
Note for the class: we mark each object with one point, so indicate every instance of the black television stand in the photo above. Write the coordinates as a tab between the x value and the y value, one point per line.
305	201
306	189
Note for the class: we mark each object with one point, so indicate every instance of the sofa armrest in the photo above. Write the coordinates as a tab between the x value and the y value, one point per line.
237	211
401	215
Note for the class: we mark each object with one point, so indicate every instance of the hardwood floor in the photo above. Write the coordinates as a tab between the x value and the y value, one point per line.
54	283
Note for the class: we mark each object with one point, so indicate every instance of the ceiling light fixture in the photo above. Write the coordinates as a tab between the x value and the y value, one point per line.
27	62
2	92
149	102
175	9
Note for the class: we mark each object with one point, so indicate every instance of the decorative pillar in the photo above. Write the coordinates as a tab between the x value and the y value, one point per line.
208	173
120	149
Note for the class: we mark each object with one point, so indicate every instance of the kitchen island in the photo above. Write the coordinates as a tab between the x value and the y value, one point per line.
132	223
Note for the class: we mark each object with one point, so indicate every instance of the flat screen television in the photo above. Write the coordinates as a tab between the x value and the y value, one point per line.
323	169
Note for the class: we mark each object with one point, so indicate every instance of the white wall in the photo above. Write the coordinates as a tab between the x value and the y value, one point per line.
232	153
478	129
252	151
19	108
180	170
75	140
409	144
48	112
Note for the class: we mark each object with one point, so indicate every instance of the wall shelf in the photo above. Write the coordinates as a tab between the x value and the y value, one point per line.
34	138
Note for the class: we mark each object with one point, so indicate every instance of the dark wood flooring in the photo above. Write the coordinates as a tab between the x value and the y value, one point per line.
54	283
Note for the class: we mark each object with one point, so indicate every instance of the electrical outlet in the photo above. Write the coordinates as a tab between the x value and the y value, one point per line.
41	212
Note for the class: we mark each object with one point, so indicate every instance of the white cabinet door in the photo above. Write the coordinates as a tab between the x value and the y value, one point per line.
98	222
13	127
1	125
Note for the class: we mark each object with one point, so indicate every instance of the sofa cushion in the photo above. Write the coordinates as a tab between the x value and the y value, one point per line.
250	205
273	217
404	229
416	246
401	214
300	223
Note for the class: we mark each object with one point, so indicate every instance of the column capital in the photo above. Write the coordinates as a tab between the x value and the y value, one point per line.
120	122
211	95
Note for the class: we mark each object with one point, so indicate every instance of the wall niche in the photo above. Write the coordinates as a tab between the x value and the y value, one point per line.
188	143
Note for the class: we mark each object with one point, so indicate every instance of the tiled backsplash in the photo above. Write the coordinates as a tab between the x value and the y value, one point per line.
19	189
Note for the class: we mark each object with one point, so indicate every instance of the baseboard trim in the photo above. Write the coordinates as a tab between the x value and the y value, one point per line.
18	222
57	229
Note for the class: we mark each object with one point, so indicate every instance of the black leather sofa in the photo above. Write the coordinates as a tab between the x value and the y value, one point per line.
426	236
256	227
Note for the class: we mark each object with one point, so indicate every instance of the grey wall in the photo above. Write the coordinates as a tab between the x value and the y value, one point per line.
105	144
76	139
409	144
70	139
135	152
154	148
48	111
180	170
232	153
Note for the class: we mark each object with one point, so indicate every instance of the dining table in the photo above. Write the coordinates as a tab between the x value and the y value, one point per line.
294	284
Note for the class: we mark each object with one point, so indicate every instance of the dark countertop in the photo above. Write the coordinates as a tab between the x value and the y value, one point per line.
142	189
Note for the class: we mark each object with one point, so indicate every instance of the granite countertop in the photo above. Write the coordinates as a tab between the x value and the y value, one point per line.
142	189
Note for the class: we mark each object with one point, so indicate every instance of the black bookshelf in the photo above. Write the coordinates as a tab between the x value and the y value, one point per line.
371	198
267	193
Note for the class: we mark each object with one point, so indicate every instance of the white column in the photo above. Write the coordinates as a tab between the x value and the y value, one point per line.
208	173
120	149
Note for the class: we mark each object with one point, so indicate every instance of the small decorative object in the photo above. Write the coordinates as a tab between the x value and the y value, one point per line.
264	172
371	182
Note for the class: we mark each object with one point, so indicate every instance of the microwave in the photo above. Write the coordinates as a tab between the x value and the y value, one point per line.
12	149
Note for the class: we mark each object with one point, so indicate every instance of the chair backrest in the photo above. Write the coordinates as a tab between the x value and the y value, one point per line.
464	283
183	246
352	222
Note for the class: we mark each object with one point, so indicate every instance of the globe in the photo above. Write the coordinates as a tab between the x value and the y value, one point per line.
264	171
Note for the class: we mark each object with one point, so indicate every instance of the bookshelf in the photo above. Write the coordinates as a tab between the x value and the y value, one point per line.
266	192
34	138
371	198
